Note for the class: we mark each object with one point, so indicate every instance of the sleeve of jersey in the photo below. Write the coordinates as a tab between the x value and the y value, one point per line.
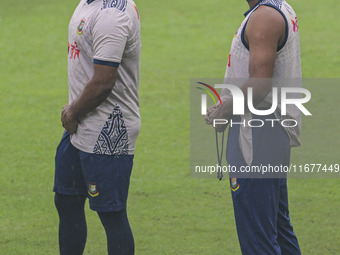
110	33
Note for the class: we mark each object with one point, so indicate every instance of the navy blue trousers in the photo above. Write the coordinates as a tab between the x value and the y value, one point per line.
261	204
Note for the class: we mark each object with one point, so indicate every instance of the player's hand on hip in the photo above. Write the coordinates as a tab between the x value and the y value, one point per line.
68	122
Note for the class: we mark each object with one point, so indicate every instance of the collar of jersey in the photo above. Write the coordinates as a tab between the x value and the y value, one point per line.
246	13
89	1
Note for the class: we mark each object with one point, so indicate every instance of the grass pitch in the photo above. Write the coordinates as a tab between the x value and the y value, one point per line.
170	212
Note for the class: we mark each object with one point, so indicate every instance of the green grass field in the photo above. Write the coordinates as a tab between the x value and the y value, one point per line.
170	212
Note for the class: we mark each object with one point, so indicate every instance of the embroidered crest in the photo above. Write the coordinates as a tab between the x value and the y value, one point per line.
93	190
234	185
81	27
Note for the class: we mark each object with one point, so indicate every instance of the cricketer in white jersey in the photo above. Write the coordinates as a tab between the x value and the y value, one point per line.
286	73
101	34
265	52
94	158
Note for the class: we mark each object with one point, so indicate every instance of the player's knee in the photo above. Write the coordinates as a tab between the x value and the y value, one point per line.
113	219
69	204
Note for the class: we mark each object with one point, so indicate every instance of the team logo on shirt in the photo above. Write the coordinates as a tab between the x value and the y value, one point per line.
81	27
93	190
234	185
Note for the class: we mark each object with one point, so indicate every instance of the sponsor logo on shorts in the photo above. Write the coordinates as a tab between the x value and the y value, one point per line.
93	190
234	185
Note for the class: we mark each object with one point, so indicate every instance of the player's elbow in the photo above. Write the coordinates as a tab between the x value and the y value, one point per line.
261	88
106	86
101	89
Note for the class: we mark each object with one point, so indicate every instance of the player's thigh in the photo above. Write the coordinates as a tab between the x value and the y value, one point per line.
107	179
271	144
69	178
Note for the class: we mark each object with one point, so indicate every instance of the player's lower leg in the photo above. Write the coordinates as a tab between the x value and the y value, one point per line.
286	237
119	235
72	224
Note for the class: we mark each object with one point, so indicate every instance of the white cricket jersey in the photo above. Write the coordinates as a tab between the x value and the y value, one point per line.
106	32
287	66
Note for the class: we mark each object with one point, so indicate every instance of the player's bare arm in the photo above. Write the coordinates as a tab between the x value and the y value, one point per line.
95	92
264	34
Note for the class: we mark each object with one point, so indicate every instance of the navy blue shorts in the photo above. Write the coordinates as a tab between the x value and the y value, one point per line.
104	179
